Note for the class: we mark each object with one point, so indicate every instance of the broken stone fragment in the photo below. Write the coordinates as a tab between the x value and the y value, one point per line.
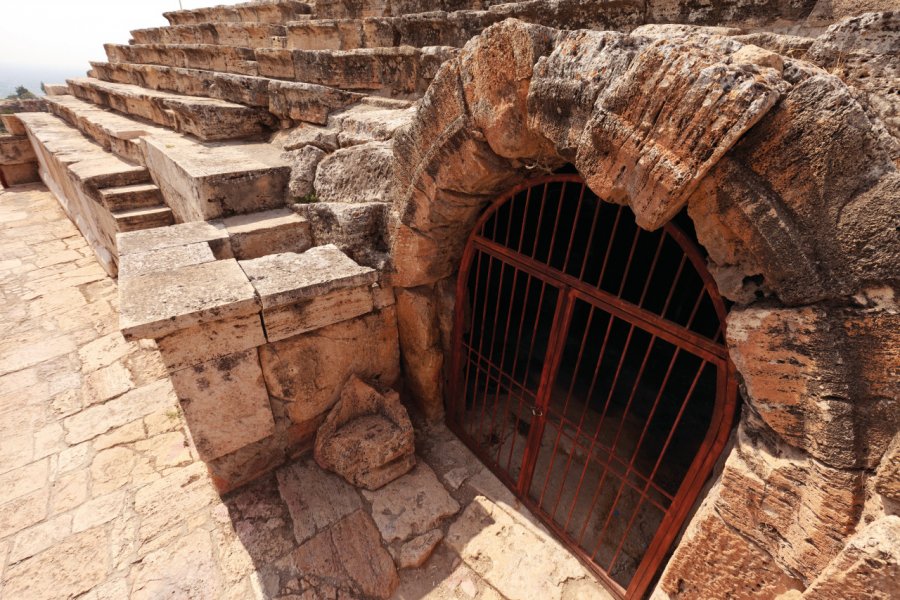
416	551
367	438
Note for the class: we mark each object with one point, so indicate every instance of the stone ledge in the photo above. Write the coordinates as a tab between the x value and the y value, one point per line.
282	279
183	234
161	303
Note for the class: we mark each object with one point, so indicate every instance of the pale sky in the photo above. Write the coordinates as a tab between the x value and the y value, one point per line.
65	34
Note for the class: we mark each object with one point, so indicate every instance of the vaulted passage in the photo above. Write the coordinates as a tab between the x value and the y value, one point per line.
590	371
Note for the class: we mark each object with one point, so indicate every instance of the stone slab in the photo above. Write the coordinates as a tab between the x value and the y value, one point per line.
225	403
183	234
286	278
158	304
268	232
308	315
315	499
164	259
411	505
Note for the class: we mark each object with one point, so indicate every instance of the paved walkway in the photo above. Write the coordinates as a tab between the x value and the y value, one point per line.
103	497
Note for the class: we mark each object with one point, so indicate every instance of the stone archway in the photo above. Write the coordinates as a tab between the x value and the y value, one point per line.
792	189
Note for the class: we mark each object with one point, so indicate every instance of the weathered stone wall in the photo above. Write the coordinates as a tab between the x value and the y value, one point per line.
801	234
257	348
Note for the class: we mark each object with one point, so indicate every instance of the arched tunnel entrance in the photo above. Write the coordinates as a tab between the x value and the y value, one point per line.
590	371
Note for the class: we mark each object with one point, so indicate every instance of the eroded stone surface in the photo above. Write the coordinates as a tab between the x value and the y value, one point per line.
367	438
157	304
308	371
411	505
225	403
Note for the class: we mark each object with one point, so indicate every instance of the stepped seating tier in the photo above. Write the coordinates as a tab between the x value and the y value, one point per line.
432	28
395	71
198	180
287	101
84	177
426	29
205	118
260	12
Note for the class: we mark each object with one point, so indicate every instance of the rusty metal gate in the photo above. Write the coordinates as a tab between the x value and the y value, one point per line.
590	373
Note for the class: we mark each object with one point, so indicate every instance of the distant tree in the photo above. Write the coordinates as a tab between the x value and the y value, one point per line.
21	93
43	88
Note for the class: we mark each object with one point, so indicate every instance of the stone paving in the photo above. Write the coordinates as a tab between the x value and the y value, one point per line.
102	495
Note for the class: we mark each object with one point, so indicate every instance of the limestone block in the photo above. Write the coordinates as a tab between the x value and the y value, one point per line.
315	499
820	376
183	234
306	134
777	169
276	63
420	347
225	403
301	317
567	72
308	371
268	232
157	304
713	105
357	229
364	123
367	438
211	340
525	561
416	551
861	50
496	70
357	174
306	101
13	125
16	149
867	568
302	292
201	182
56	89
20	174
135	264
303	171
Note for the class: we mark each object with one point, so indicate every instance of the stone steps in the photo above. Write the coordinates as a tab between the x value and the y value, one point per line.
198	180
285	100
135	219
206	118
395	71
437	28
280	11
130	197
79	172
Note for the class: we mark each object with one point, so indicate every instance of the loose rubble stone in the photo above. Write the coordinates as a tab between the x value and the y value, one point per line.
367	438
416	551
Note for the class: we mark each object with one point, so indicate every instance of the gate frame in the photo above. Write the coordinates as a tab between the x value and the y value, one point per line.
721	419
